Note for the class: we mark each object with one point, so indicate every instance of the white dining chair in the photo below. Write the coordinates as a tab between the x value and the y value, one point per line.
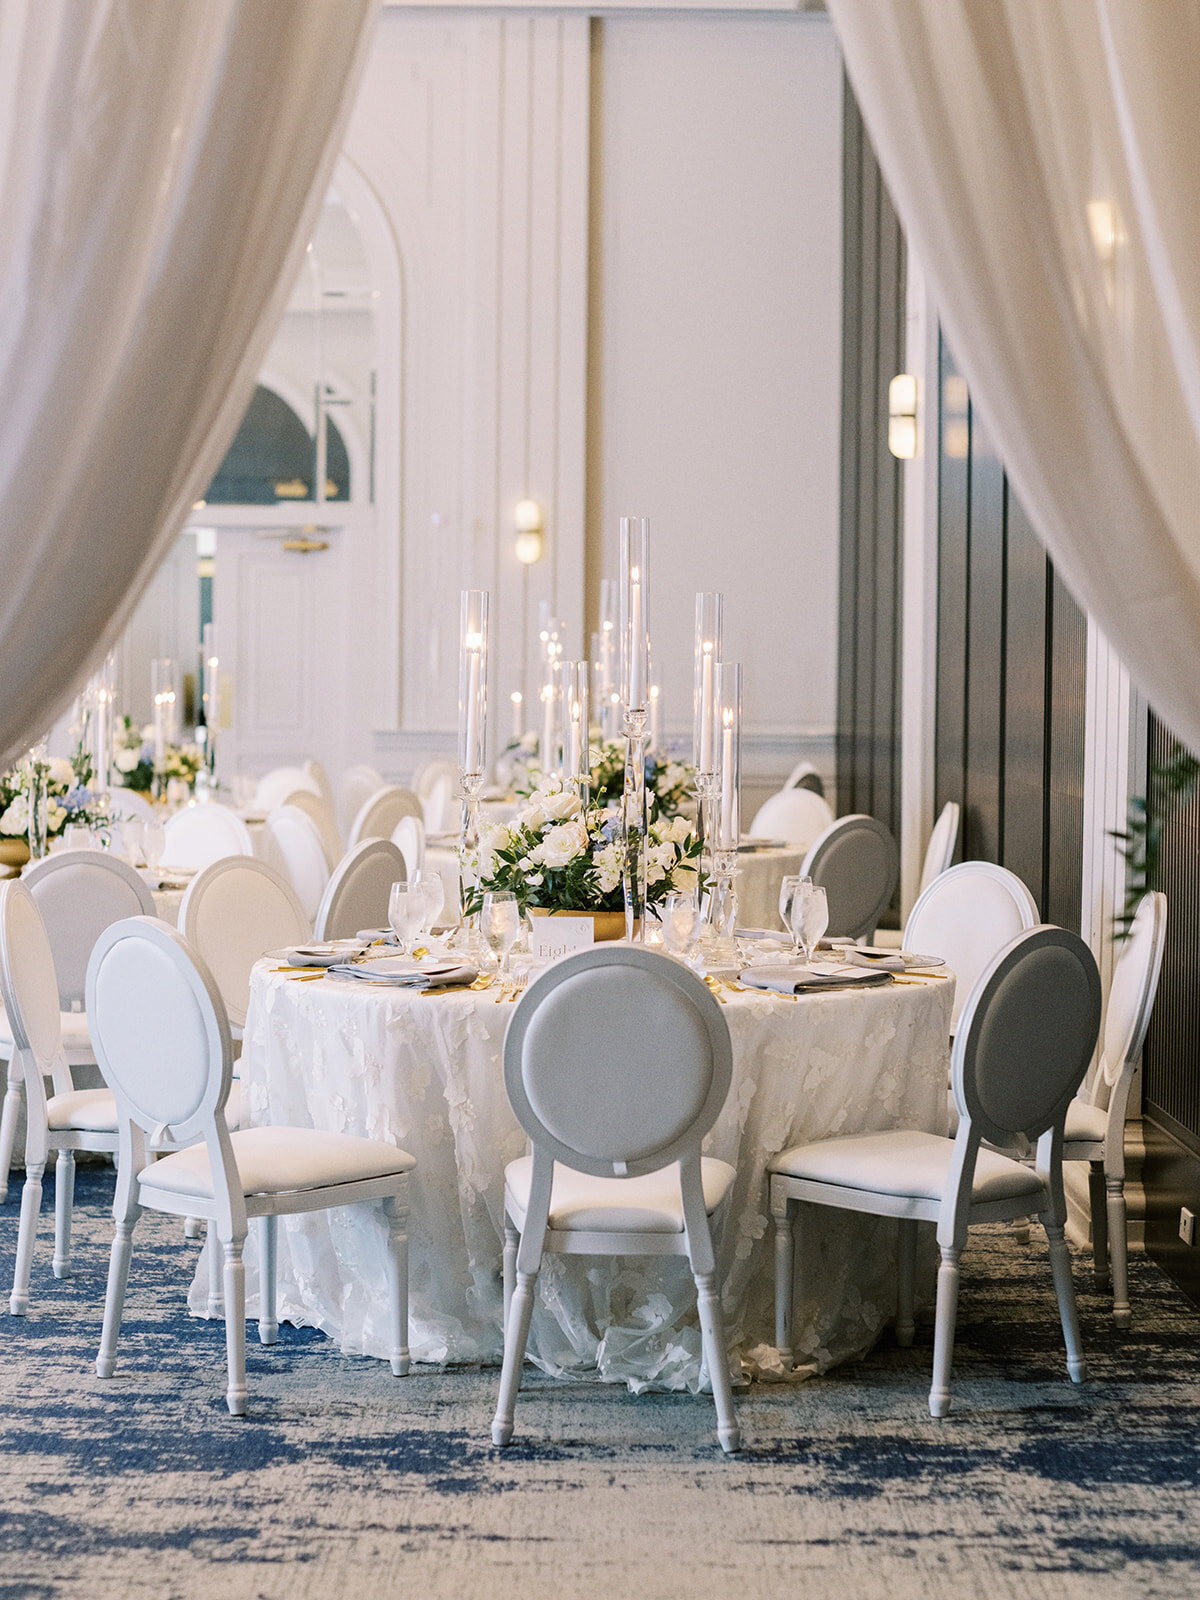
797	816
409	838
355	788
858	864
377	816
617	1063
357	893
202	832
314	770
164	1048
323	820
431	771
939	852
292	845
69	1119
1027	1034
805	776
78	893
233	913
965	915
275	786
1095	1127
441	806
129	805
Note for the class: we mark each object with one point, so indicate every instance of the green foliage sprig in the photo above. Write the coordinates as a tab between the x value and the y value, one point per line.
1172	784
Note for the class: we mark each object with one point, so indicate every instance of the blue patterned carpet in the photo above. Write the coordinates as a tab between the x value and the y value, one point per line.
345	1480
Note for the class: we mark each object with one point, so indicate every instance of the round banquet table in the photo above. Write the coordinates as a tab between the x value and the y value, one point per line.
425	1072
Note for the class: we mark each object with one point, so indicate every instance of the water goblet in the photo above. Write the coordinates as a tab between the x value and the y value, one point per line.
500	923
154	842
810	916
787	893
77	836
406	908
680	921
433	896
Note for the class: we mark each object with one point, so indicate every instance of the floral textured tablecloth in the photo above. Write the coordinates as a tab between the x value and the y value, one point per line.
425	1072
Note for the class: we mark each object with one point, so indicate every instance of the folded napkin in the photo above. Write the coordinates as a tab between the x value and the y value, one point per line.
876	960
402	972
817	975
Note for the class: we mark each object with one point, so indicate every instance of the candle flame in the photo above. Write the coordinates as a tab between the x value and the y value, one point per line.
473	641
516	697
727	716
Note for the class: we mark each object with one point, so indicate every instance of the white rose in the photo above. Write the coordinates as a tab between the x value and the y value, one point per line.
16	819
533	816
562	806
677	830
493	836
125	760
62	773
561	845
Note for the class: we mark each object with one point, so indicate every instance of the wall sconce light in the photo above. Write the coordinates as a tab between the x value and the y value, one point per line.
902	416
528	521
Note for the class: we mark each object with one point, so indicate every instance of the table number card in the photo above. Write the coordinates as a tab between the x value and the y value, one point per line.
552	938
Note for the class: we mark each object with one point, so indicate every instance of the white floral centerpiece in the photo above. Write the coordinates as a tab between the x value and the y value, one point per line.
133	758
68	796
670	785
555	856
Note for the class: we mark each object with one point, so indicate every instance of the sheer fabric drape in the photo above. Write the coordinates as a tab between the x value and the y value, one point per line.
1045	162
161	164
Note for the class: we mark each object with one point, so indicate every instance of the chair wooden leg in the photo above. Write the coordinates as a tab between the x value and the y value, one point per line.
397	1219
511	1240
235	1321
114	1299
716	1356
906	1265
1020	1230
216	1295
781	1212
1118	1244
193	1227
8	1124
1060	1267
943	1333
1099	1210
31	1204
516	1336
268	1322
64	1201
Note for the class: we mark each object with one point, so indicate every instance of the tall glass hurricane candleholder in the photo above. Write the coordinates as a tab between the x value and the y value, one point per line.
706	737
472	740
635	670
577	766
727	825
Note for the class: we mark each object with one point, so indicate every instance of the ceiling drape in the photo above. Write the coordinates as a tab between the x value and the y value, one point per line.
1045	162
161	166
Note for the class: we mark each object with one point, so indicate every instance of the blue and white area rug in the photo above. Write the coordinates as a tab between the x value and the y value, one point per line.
345	1481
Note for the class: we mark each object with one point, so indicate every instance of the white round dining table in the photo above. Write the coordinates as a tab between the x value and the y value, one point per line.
425	1071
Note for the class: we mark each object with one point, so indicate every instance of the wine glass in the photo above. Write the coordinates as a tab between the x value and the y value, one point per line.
787	893
810	916
406	909
680	921
154	842
500	922
433	895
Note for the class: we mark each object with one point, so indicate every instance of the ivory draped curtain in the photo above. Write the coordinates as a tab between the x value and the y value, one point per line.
161	166
1045	162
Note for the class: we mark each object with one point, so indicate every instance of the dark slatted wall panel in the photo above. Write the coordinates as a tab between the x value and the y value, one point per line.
1011	672
1171	1067
870	592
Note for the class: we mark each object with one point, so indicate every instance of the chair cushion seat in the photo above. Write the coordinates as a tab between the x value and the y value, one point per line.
75	1034
1086	1122
648	1204
281	1161
88	1110
912	1165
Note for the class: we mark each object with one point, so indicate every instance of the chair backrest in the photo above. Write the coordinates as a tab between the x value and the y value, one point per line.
1027	1034
129	804
805	776
1133	988
78	894
966	915
939	852
315	771
293	847
161	1035
617	1061
355	788
234	912
356	895
431	771
202	832
275	786
797	815
323	819
409	838
29	989
377	816
441	806
857	862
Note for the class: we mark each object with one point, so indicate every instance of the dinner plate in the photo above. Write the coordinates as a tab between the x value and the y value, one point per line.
749	846
910	958
788	979
324	953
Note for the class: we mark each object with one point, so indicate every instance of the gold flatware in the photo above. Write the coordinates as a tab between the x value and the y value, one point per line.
518	988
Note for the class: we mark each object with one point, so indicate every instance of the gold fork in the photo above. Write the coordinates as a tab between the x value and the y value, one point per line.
518	986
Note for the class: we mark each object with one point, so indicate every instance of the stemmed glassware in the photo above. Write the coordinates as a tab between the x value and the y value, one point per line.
154	842
809	916
681	922
433	895
406	911
500	923
787	893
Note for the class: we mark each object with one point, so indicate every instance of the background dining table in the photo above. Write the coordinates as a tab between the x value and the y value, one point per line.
425	1071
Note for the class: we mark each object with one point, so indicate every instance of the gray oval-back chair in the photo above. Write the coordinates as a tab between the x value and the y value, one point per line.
858	863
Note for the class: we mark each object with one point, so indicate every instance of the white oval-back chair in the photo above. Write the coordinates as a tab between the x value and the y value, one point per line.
1026	1036
355	788
797	815
275	786
617	1063
939	852
409	838
966	915
164	1048
858	864
232	914
202	832
357	893
292	845
129	805
323	819
314	770
378	816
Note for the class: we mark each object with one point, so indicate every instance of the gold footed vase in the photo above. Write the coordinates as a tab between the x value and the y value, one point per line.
14	853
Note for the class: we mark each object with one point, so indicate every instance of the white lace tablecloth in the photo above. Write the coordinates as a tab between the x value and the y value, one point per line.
425	1072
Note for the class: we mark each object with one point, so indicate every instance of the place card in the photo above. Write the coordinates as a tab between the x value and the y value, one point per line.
552	938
